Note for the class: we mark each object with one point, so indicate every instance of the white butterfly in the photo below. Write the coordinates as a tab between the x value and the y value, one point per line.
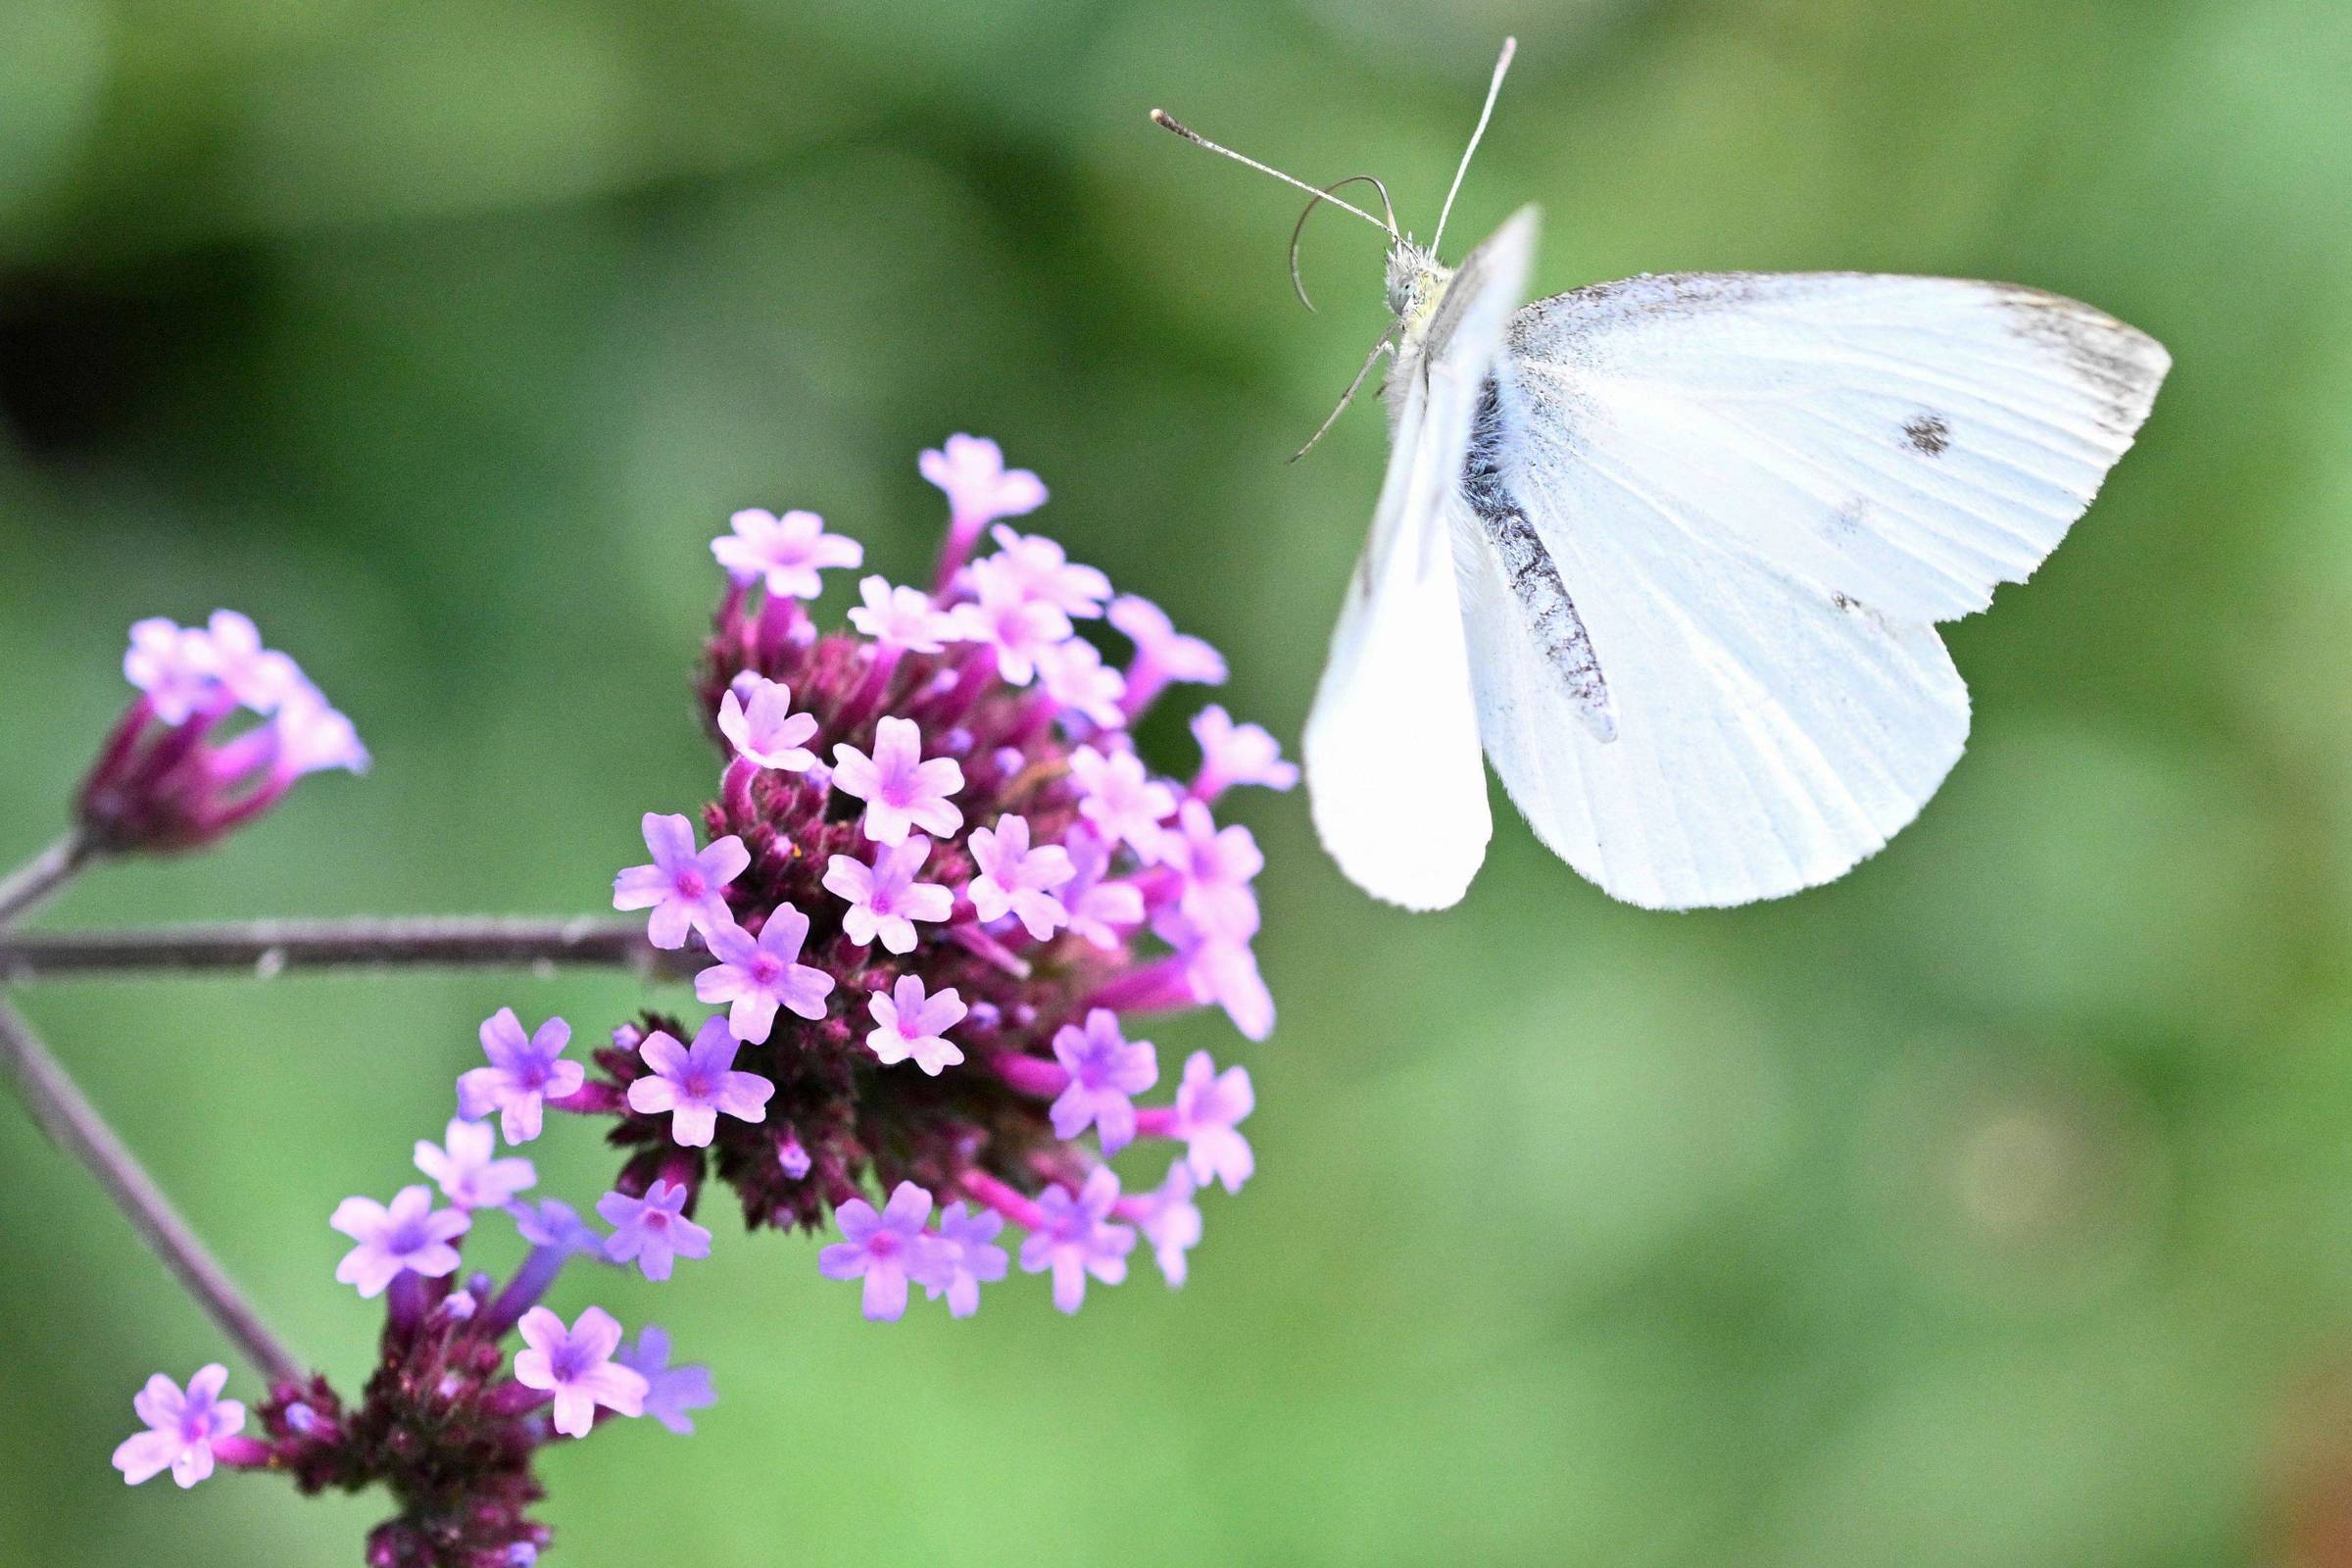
1673	551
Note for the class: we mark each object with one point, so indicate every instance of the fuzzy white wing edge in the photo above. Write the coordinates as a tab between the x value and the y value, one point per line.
1396	780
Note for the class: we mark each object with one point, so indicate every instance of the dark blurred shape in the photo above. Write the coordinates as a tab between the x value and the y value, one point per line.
87	358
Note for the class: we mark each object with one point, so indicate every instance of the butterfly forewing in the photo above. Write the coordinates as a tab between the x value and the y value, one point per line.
1392	745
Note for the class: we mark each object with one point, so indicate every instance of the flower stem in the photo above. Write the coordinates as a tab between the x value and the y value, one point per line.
265	948
22	889
58	1106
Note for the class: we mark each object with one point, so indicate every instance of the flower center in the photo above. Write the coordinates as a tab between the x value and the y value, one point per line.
765	968
690	884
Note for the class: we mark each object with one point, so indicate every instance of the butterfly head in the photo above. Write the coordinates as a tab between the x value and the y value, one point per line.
1416	282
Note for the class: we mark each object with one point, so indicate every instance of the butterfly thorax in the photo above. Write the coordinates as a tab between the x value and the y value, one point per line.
1416	282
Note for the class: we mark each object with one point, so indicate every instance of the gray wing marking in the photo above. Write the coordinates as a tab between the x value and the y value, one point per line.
1535	578
1551	618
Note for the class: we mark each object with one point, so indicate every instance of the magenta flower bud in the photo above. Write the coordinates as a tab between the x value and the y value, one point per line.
222	731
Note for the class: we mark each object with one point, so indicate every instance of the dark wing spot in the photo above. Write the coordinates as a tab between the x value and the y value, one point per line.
1929	434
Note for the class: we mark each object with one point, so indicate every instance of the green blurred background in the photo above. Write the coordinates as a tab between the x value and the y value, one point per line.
1992	1207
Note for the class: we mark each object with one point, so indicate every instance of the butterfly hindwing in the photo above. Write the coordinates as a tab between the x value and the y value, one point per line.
1761	492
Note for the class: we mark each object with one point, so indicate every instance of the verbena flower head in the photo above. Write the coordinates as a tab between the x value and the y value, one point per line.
931	953
455	1412
182	769
931	945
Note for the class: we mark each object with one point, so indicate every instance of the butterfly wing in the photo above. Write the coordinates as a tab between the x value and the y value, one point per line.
1397	790
1761	492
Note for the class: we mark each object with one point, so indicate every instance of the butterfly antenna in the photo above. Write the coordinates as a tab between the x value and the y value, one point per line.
1346	397
1167	121
1299	228
1510	47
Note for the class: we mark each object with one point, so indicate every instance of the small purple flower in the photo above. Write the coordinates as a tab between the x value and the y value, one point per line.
172	664
1237	753
1162	654
979	488
181	1428
902	792
909	1024
576	1366
962	1256
1217	865
884	897
881	1249
756	716
553	1223
788	552
1016	879
1104	1070
1171	1222
1209	1109
682	885
1074	675
254	675
670	1391
467	1176
409	1233
307	736
697	1084
1044	570
523	1075
900	617
1100	912
653	1229
761	974
1123	801
1075	1239
1224	971
1005	615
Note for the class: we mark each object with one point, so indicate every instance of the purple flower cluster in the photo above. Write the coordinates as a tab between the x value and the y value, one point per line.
937	888
178	772
936	893
453	1419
